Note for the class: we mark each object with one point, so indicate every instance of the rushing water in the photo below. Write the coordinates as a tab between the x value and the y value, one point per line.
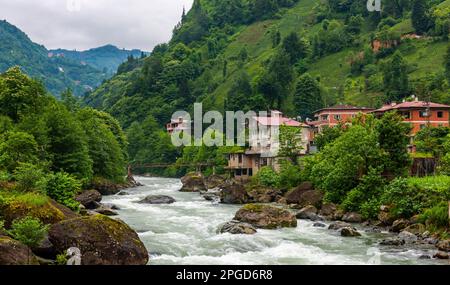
186	233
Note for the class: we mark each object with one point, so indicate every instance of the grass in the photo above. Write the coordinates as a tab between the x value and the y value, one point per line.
438	183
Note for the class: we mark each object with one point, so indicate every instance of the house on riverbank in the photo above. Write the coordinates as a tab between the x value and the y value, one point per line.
264	145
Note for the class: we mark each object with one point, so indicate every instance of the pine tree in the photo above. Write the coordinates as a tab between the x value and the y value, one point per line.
296	47
447	64
419	17
396	80
307	96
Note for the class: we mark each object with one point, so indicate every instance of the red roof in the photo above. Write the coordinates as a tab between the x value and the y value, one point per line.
345	108
412	105
271	121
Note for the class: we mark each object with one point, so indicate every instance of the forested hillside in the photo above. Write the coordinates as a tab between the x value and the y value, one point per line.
297	56
106	58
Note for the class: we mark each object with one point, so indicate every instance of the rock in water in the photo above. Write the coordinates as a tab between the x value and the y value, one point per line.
106	211
89	199
444	245
399	225
236	227
407	237
339	225
319	225
13	252
309	212
214	181
352	218
193	183
441	255
157	199
234	193
266	216
328	210
349	232
102	241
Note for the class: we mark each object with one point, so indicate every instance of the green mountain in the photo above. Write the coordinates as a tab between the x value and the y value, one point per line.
106	58
297	56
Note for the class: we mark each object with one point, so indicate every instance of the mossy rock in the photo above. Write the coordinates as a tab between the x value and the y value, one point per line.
43	208
13	252
102	241
266	216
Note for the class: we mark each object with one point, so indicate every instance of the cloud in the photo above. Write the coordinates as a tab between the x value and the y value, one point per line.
84	24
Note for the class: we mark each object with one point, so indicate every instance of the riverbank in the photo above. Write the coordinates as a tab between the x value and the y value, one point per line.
186	232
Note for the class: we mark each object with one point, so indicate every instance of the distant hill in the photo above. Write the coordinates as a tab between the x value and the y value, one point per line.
106	58
58	70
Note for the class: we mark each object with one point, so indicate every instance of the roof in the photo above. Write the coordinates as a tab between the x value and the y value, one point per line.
412	105
345	108
271	121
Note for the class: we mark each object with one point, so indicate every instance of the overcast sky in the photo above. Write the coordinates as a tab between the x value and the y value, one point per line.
84	24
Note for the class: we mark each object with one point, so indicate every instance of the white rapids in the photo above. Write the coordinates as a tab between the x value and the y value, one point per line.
185	233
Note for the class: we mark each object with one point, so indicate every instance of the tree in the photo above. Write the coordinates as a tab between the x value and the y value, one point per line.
277	79
19	94
395	78
240	94
328	136
290	143
16	148
70	101
62	187
393	138
29	231
432	140
419	17
447	64
295	47
307	97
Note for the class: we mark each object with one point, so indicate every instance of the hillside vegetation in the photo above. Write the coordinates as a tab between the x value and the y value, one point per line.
296	56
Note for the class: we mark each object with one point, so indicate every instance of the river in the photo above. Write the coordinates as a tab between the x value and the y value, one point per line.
184	233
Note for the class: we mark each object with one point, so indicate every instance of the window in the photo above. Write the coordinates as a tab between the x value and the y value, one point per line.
245	172
238	172
440	114
337	117
250	172
423	114
264	162
324	118
406	115
240	158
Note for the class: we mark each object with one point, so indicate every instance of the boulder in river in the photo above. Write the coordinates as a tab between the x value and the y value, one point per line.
106	211
399	225
234	193
13	252
193	182
305	195
444	245
416	229
89	199
236	227
407	237
307	213
392	242
441	255
261	194
349	232
266	216
101	240
339	225
157	199
385	217
214	181
352	217
319	225
328	210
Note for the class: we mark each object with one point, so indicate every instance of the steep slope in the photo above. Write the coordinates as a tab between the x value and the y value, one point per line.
57	73
106	58
345	48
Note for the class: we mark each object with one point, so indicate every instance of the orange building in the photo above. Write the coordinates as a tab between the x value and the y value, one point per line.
420	114
333	116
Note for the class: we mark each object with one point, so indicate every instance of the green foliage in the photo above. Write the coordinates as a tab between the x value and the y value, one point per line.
62	188
16	148
61	259
432	140
267	177
436	216
395	78
327	136
297	48
290	175
290	143
28	231
419	16
29	177
307	97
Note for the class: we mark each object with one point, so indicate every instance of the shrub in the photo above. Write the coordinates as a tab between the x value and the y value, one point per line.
402	197
61	259
2	226
29	177
29	231
290	176
436	216
63	187
4	177
268	177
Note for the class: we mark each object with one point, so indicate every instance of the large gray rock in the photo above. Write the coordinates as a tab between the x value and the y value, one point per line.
307	213
106	211
399	225
416	229
101	240
89	199
444	245
266	216
328	210
234	194
352	217
193	182
349	232
407	237
236	227
157	199
339	225
214	181
13	252
264	194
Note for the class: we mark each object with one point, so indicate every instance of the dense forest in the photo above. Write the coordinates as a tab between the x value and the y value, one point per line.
296	56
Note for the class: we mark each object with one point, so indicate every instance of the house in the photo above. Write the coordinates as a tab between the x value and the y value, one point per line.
419	114
180	124
264	145
333	116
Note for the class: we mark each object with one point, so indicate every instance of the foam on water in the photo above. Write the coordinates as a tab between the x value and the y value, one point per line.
185	232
